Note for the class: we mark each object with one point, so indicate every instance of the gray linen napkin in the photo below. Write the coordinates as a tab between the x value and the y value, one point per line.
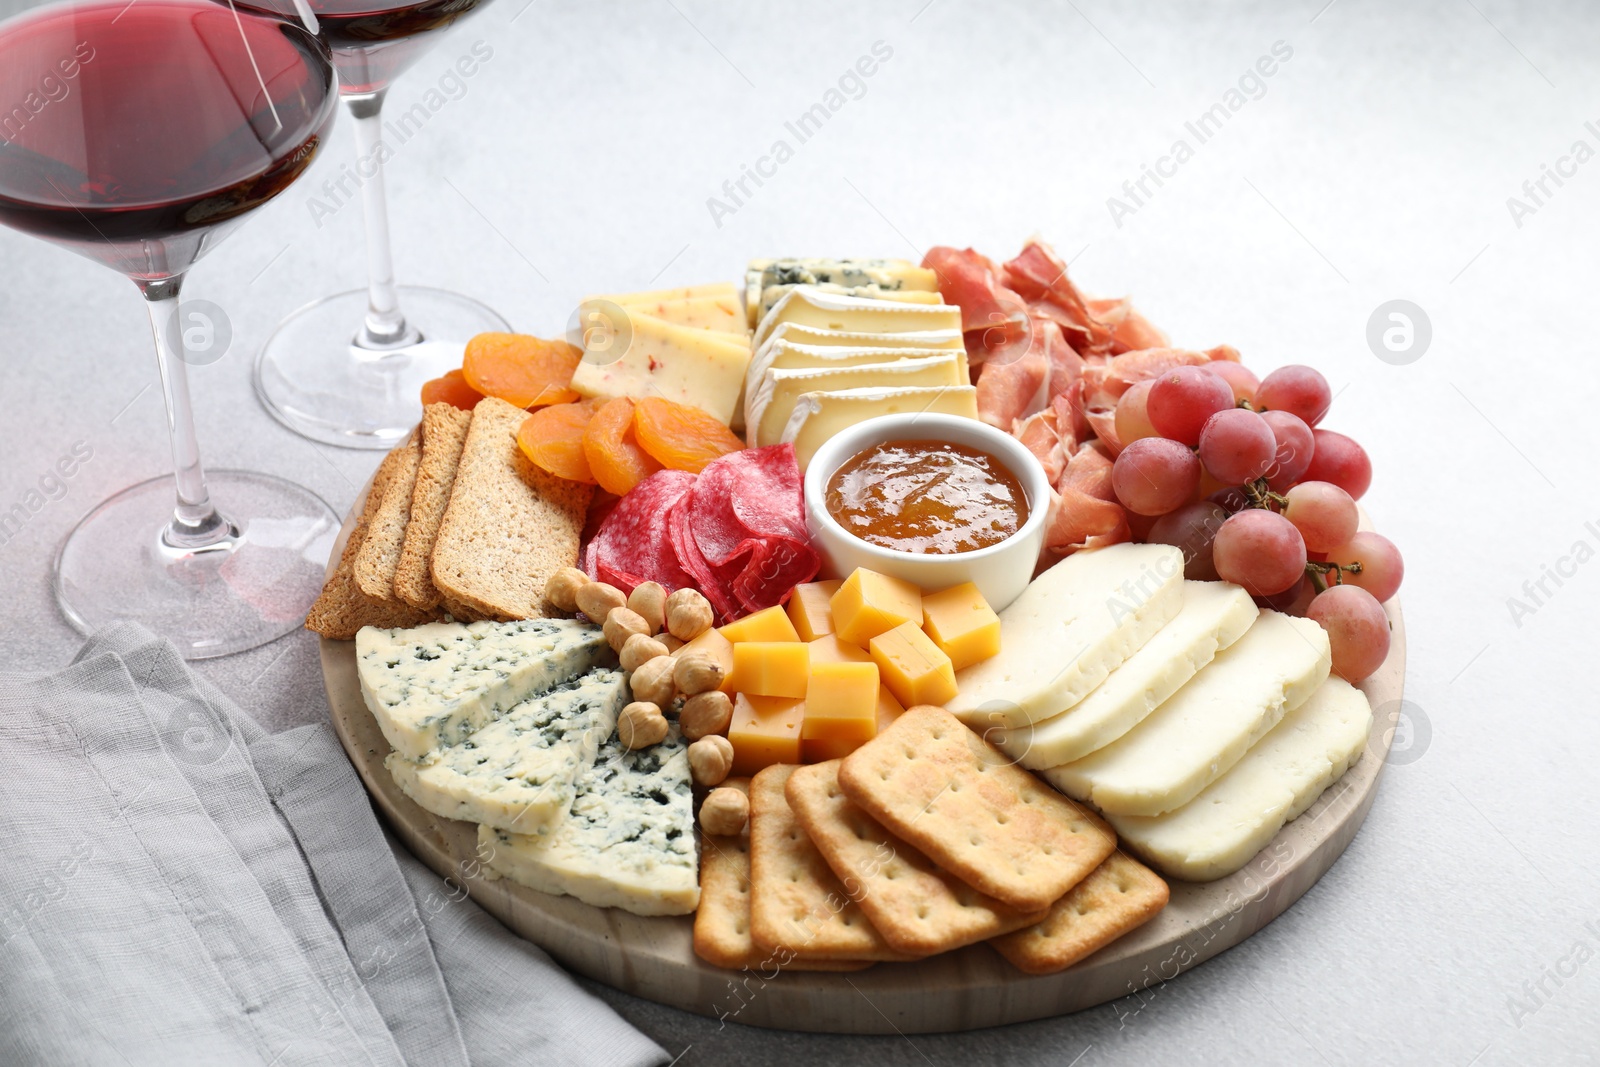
180	886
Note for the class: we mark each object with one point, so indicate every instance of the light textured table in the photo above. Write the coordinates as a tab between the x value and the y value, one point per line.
1463	925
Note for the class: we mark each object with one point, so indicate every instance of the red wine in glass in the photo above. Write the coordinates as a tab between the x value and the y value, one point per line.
373	42
139	135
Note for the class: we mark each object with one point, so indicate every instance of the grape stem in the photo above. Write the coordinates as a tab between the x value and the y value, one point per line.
1262	496
1318	572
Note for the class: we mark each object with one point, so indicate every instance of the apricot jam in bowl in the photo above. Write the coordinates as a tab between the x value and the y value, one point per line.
935	500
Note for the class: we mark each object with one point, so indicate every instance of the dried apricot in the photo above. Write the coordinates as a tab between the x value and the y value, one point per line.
680	436
614	455
452	388
552	438
521	370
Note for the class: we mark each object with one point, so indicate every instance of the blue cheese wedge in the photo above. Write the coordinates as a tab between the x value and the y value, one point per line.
880	275
769	405
517	772
1285	772
628	841
1201	730
433	685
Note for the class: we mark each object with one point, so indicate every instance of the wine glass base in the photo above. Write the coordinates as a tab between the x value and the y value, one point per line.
313	378
253	588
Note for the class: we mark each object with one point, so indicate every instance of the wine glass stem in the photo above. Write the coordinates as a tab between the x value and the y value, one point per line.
385	326
195	523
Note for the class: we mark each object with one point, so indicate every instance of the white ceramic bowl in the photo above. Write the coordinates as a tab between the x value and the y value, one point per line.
1000	571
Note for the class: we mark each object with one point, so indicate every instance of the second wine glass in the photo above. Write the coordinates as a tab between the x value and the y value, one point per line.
347	369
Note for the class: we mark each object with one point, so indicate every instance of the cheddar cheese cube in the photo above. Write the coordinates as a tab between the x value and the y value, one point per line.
961	624
842	701
718	647
830	649
809	608
769	624
822	749
868	604
912	666
764	731
772	668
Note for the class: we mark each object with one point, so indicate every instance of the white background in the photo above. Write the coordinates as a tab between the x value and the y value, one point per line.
1376	165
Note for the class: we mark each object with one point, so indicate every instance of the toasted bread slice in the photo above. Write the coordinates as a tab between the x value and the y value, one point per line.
444	431
379	556
509	525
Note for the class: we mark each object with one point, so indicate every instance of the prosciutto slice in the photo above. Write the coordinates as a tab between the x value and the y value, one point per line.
1039	276
1130	331
992	316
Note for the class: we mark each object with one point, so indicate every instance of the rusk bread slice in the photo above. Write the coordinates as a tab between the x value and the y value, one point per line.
509	525
444	432
918	908
342	609
932	781
379	557
1121	895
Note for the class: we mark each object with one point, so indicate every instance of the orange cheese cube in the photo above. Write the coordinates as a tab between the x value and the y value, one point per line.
829	649
719	648
769	624
912	666
822	749
868	604
961	624
764	731
772	668
842	701
809	609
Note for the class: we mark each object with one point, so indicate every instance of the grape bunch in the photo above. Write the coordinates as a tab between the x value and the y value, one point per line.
1237	472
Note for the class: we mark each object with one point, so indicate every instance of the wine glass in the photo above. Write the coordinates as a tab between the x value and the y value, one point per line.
347	369
139	135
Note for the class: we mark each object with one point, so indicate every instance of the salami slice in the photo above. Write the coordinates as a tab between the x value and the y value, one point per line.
748	520
689	557
633	544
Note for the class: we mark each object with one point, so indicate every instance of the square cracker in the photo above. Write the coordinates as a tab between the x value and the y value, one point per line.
342	608
918	908
509	526
1119	896
796	902
379	557
932	781
444	431
722	921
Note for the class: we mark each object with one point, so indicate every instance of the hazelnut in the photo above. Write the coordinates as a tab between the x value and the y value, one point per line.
562	588
641	725
622	624
725	812
688	614
697	672
596	599
649	599
704	714
638	650
710	760
652	681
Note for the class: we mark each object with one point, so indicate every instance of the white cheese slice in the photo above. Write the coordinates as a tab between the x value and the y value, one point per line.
884	274
434	684
627	842
1214	616
809	306
1074	624
1281	776
818	335
516	773
724	314
703	368
773	294
782	354
818	416
769	405
1201	730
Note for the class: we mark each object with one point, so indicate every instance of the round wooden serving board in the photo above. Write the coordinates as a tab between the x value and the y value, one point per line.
963	990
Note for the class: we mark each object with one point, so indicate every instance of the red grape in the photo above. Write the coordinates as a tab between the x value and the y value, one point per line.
1182	399
1292	601
1295	448
1358	631
1231	499
1336	458
1132	420
1240	378
1261	551
1192	528
1381	567
1324	514
1297	389
1237	446
1153	475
